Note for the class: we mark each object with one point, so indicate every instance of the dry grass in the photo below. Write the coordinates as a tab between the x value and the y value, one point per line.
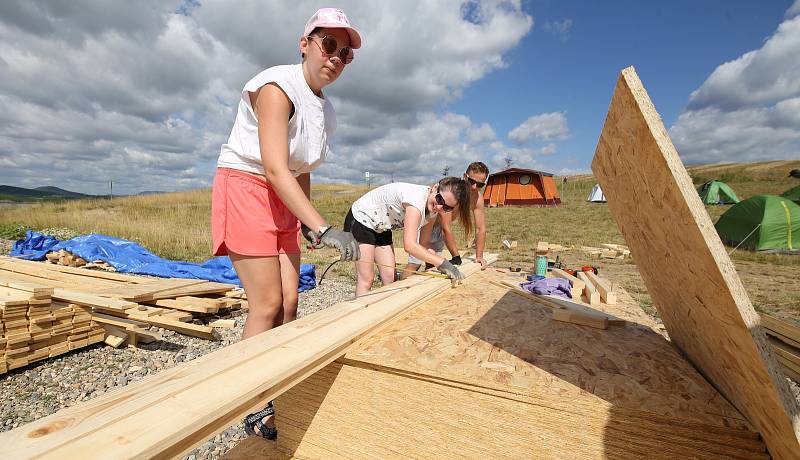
176	226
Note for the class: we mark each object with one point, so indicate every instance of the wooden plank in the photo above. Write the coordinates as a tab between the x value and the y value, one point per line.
589	291
190	304
169	413
38	291
701	300
781	327
575	317
147	290
10	263
603	287
90	300
576	283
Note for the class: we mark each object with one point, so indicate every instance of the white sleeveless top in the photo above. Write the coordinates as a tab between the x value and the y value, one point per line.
382	208
310	128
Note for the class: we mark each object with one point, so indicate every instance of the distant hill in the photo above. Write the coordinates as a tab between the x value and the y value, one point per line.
11	193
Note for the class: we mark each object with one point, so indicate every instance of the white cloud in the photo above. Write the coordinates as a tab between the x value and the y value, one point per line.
793	10
559	28
99	90
542	127
747	109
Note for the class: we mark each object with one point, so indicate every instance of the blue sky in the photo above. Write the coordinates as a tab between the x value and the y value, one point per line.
97	90
674	47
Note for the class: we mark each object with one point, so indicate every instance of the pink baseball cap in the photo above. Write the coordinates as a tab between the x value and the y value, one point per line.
333	18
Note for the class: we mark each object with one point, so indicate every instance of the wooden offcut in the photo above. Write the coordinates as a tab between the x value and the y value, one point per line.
684	265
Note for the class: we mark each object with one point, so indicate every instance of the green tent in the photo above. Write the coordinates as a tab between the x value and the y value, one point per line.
792	194
761	222
717	192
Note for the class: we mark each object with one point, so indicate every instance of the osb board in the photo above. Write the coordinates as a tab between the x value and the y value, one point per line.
685	267
483	332
355	411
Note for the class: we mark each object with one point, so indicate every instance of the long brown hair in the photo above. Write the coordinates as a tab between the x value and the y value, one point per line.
460	189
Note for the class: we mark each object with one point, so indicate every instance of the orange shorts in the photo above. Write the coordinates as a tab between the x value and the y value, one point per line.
248	217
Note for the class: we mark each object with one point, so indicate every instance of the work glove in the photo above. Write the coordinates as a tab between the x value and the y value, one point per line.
308	234
335	238
450	270
456	260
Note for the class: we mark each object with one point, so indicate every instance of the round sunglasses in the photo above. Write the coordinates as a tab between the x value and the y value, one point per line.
476	183
330	47
440	201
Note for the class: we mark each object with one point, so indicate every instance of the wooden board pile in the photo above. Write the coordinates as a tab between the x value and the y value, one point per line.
608	251
50	309
35	326
785	340
64	257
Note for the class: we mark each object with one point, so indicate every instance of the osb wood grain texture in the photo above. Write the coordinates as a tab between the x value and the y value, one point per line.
685	267
486	333
357	411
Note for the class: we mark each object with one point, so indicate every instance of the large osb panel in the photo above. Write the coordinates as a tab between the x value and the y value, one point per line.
684	265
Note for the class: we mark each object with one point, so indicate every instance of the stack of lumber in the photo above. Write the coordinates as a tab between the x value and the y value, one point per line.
785	340
479	372
608	251
48	309
64	257
36	326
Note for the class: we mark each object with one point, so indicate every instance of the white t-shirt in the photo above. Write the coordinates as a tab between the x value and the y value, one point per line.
310	128
382	209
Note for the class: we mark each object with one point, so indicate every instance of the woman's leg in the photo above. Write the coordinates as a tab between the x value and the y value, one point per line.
365	270
384	257
261	278
290	280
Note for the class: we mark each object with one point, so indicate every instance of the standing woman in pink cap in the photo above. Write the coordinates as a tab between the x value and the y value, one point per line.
260	196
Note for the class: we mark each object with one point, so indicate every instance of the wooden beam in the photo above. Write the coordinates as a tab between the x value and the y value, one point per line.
589	291
171	412
576	283
701	300
90	300
582	319
603	287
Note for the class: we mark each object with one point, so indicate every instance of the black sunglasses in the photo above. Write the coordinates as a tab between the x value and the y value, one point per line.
440	201
474	182
329	47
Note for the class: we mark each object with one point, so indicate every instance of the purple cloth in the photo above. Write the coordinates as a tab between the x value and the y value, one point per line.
549	286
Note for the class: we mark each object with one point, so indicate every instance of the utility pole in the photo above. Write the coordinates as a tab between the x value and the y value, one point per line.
509	160
111	190
445	170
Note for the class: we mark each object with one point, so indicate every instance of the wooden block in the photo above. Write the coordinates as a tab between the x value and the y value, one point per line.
542	248
223	323
574	317
589	291
704	306
604	288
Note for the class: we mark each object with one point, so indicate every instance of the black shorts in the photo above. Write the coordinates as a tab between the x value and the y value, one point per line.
364	234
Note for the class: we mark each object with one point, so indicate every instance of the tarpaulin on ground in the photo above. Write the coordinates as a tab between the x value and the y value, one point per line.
128	257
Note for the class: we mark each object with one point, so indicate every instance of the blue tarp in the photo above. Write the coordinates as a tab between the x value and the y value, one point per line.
128	257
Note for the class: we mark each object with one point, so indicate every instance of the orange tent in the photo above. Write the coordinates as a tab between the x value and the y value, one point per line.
521	187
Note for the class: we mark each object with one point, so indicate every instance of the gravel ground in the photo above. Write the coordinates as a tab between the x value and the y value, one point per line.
47	386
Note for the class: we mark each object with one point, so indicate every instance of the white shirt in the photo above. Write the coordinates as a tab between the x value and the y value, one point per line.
310	127
382	209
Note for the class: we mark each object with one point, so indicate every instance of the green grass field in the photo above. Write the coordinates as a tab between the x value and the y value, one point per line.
176	226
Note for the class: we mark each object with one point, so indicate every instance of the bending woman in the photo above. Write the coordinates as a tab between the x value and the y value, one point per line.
413	208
